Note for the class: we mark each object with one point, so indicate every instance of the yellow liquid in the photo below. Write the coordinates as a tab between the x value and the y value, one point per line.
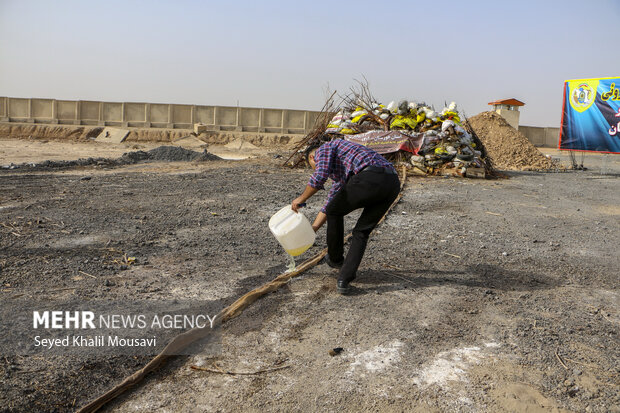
298	251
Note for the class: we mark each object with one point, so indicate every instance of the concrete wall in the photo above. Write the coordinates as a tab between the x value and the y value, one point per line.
163	115
155	115
540	136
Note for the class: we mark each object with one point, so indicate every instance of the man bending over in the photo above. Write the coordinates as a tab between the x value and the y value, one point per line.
362	179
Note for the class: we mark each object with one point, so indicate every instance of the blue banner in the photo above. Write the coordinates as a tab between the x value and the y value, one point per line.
591	115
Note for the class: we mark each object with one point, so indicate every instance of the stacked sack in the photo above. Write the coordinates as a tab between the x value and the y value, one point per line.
446	147
406	116
450	150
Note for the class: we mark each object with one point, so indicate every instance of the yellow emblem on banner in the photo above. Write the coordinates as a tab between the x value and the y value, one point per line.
582	94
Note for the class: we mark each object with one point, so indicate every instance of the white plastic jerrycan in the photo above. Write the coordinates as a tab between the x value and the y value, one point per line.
292	230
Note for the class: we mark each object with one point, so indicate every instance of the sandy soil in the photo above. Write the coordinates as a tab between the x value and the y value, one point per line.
19	151
470	292
28	143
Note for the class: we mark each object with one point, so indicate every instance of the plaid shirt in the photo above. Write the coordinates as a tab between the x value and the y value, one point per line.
338	160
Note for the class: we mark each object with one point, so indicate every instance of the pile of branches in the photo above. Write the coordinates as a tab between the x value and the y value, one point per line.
317	133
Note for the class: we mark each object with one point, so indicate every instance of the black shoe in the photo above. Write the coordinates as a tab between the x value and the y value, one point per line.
331	263
343	287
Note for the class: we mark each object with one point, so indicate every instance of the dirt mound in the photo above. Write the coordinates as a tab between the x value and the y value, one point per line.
155	135
176	153
80	133
161	153
257	139
240	144
507	148
50	132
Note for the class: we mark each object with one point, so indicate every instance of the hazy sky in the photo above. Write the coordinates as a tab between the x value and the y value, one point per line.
284	54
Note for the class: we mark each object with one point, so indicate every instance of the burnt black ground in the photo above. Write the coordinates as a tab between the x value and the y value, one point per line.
166	153
530	262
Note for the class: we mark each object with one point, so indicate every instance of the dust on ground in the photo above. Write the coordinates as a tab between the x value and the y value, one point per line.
469	295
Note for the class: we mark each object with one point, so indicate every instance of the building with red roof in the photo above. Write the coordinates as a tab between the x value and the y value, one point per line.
508	109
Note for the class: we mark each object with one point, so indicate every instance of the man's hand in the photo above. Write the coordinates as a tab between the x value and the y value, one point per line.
296	202
308	192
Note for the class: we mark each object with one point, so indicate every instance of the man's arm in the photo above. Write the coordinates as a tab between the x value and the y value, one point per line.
323	159
319	221
322	215
308	192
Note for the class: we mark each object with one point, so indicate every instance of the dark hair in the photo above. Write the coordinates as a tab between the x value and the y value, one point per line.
312	147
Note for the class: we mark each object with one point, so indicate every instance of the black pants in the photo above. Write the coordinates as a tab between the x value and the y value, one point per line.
373	191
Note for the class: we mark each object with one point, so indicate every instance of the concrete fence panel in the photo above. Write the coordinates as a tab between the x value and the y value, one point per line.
552	136
42	108
112	113
534	134
272	118
226	116
312	117
66	110
3	113
135	112
182	114
541	136
249	119
295	119
89	110
159	113
205	114
19	108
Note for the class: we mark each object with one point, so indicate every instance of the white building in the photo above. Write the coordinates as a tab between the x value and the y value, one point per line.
509	110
